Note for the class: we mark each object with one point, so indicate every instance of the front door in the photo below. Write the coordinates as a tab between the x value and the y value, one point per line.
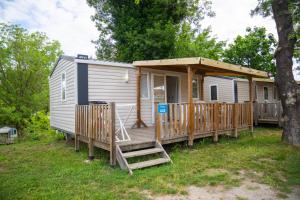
172	89
158	91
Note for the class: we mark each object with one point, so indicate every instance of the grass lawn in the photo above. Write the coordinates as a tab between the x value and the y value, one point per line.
53	170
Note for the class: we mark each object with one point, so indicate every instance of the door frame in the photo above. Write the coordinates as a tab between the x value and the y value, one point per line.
165	84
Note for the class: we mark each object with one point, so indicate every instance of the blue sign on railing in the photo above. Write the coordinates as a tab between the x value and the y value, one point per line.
162	108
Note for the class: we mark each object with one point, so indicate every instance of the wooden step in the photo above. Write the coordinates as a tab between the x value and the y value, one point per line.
142	152
148	163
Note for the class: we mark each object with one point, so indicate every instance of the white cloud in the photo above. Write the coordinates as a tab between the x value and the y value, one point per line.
67	21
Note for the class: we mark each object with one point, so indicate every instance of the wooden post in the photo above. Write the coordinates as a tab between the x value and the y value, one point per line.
139	120
112	135
216	122
191	106
77	125
235	120
251	102
202	88
90	135
91	149
138	97
157	124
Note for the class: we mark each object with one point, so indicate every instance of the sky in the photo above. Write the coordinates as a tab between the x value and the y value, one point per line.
69	21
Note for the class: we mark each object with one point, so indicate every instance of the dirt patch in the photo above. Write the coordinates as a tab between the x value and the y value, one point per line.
248	189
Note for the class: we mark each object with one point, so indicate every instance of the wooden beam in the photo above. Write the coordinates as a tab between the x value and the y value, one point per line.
112	150
222	74
234	68
202	88
138	97
250	79
191	106
174	62
139	120
203	64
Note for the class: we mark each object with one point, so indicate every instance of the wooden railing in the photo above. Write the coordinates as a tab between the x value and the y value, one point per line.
267	112
208	118
95	125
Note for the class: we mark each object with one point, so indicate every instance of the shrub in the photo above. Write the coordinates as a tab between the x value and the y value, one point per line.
38	127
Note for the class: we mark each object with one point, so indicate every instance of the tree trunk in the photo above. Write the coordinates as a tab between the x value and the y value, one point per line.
289	91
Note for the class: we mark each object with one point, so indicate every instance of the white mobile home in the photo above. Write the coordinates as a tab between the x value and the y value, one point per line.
174	99
81	81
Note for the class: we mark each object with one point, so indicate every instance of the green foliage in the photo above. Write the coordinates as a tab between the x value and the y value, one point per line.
43	170
264	8
189	43
25	63
38	127
144	29
256	50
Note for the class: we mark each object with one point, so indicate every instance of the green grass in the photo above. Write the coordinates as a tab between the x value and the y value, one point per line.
53	170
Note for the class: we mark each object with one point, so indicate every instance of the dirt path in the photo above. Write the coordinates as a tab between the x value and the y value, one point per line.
247	190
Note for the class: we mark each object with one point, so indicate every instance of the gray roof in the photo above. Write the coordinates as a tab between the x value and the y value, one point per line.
62	57
5	129
90	61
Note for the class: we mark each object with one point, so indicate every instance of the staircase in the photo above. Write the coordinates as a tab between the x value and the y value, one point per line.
157	149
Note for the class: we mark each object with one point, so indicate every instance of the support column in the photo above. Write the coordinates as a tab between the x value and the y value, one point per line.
139	120
251	102
202	88
91	149
138	97
191	115
112	135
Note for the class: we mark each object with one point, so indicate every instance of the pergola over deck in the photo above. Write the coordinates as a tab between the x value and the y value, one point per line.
191	66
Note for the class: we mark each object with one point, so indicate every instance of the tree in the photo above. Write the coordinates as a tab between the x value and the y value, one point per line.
255	50
25	63
143	29
287	18
189	43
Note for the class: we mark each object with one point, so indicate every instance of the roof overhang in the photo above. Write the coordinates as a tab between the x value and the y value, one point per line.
202	66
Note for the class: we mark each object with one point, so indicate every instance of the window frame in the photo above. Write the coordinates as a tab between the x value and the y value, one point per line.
198	88
265	93
61	82
217	87
148	85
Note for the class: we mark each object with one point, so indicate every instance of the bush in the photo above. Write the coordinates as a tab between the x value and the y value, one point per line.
38	127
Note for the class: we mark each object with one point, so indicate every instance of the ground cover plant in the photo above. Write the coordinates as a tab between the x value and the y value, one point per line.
51	169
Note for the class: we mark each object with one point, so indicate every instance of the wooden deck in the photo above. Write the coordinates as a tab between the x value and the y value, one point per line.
140	138
95	125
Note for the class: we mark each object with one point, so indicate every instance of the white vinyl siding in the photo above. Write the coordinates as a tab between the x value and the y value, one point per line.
62	113
260	92
225	89
243	90
107	83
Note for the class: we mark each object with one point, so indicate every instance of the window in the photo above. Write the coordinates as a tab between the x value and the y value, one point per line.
266	93
63	86
144	86
195	88
213	92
